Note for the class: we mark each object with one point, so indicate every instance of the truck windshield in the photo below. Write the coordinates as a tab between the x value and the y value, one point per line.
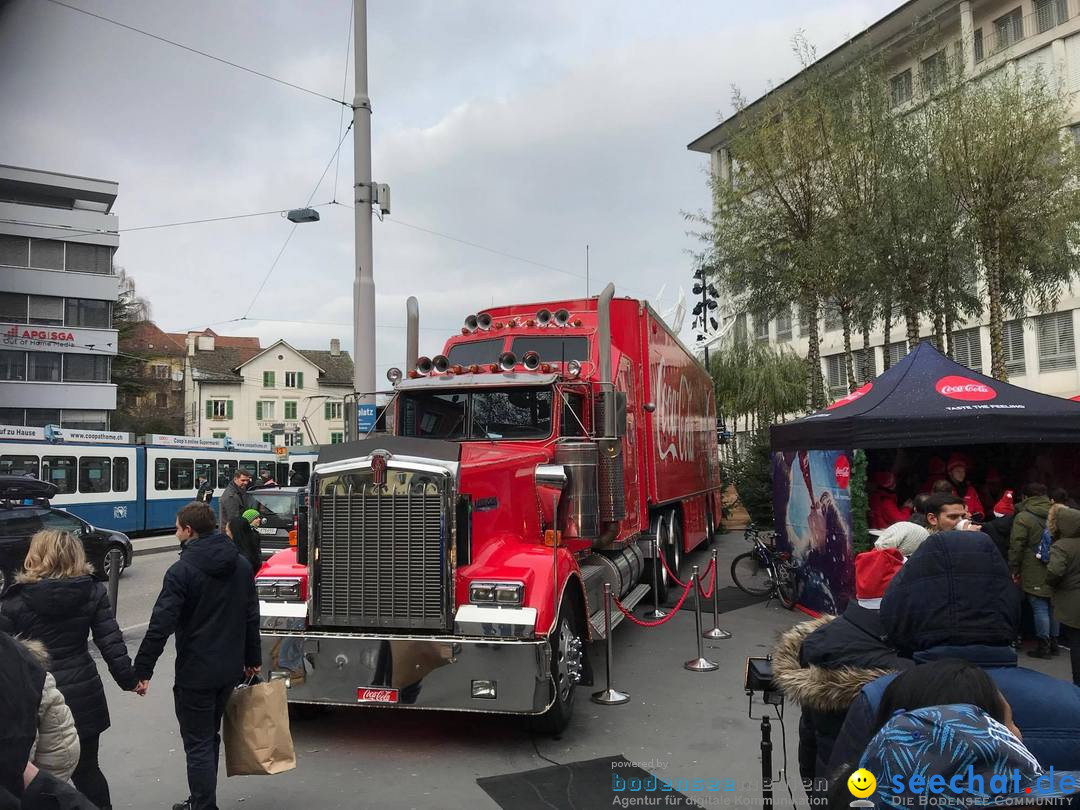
477	351
516	413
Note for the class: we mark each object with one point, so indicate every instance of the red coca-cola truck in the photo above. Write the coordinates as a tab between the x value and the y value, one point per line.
457	561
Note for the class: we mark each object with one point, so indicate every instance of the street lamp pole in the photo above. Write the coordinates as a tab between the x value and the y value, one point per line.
364	280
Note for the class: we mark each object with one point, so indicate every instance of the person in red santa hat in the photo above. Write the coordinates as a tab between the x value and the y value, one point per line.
957	469
884	510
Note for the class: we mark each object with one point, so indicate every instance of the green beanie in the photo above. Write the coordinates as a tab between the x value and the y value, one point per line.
250	515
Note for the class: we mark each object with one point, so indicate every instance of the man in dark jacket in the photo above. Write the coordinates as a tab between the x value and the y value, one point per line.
954	599
208	600
824	664
1029	571
234	500
205	493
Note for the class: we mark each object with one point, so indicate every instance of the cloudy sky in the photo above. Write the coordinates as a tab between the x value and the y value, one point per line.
532	127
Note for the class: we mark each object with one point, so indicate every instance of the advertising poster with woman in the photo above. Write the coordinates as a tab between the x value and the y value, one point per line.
812	507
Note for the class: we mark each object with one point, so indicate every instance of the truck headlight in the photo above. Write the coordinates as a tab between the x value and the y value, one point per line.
497	593
278	590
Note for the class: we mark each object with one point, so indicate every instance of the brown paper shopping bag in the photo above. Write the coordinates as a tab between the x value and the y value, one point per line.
256	733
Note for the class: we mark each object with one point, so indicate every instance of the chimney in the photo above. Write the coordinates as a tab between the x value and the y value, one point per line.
335	347
189	341
206	343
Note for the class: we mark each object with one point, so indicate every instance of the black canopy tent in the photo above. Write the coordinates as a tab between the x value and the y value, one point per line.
928	399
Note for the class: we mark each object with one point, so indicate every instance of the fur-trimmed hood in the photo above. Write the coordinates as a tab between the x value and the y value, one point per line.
816	687
37	651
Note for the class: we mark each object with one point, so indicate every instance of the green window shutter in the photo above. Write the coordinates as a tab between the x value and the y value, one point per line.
299	379
268	379
209	409
258	410
326	410
228	409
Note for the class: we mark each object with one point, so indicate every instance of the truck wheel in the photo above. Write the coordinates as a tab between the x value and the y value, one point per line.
656	527
673	549
567	651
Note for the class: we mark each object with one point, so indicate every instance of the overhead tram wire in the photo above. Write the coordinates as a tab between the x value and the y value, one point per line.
344	84
204	54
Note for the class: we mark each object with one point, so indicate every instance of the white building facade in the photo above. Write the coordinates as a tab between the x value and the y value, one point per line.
57	288
987	35
278	390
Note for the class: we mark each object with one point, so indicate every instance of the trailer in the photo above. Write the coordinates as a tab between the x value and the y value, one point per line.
458	561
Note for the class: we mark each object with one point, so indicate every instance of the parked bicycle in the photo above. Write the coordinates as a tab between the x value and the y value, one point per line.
764	571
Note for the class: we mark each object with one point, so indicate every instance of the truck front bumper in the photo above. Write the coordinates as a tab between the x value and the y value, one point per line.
420	672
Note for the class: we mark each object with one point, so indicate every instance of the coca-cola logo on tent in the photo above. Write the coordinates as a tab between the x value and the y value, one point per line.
854	395
843	471
965	388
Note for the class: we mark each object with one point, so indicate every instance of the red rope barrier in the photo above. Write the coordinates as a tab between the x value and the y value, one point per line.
670	573
707	594
658	622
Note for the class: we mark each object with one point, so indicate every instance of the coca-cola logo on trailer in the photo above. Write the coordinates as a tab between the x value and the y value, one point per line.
843	471
858	393
965	388
370	695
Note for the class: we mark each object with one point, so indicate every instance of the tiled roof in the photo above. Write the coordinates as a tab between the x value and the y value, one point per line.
220	364
338	368
147	339
221	341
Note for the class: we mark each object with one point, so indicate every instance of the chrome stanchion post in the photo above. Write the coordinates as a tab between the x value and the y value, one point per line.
701	663
656	612
715	632
609	696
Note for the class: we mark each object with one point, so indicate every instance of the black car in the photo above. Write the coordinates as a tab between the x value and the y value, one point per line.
25	510
280	509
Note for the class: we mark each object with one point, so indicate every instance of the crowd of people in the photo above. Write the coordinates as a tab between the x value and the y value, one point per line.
920	675
52	699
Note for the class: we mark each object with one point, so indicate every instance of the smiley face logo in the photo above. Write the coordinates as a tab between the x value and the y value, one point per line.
861	783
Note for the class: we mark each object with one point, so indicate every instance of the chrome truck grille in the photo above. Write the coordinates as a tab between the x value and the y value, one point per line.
383	550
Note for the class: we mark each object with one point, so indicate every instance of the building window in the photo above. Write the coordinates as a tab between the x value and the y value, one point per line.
47	310
266	409
85	420
900	90
40	417
1012	341
857	362
290	409
761	328
220	434
12	416
333	410
12	367
337	438
88	258
86	368
932	72
47	254
1057	344
161	400
43	366
978	45
87	312
268	379
897	352
783	325
966	348
13	307
14	251
836	375
159	371
268	438
740	328
1009	29
294	379
831	316
219	409
1050	13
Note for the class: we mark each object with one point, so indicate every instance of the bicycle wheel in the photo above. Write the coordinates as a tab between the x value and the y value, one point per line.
787	585
751	575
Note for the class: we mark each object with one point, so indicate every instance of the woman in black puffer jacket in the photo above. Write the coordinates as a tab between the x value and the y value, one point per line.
57	602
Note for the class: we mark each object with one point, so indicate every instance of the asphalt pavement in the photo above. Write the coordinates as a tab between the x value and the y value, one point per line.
677	725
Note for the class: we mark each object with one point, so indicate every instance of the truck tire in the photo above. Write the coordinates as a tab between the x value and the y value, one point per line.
665	526
566	669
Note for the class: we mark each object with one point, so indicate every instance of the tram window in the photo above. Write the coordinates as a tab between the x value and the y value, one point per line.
182	473
19	465
301	471
161	473
95	474
269	468
61	471
204	468
119	474
225	469
249	467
